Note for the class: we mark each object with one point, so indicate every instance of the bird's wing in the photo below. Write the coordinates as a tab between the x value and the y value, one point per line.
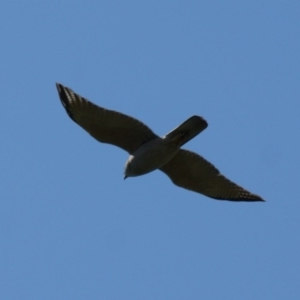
105	125
191	171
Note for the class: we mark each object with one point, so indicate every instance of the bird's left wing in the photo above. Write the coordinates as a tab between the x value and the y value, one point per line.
105	125
191	171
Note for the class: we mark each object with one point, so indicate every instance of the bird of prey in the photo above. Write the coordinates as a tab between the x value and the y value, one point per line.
149	152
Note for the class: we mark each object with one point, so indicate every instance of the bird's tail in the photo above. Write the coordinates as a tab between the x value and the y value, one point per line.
187	130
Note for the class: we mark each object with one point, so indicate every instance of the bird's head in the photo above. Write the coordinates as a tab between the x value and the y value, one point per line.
128	172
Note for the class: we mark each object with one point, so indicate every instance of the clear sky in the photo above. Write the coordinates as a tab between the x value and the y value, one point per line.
71	227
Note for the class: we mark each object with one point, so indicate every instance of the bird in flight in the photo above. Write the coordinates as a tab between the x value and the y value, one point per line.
149	152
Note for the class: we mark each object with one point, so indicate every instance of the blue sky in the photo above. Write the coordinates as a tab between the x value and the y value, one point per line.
71	227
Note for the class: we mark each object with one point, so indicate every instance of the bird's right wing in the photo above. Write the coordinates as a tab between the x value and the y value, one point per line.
191	171
105	125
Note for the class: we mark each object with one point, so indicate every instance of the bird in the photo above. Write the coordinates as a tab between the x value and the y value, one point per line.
149	152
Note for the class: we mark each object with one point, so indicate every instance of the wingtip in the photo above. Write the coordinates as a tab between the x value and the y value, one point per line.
60	90
255	198
58	85
64	97
248	198
258	198
261	200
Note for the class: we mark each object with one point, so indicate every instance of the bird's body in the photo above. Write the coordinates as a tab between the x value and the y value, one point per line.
150	156
157	152
149	152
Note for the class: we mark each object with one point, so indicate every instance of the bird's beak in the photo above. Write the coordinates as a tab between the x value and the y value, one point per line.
125	177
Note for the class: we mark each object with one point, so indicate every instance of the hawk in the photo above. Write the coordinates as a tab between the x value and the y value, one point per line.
149	152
